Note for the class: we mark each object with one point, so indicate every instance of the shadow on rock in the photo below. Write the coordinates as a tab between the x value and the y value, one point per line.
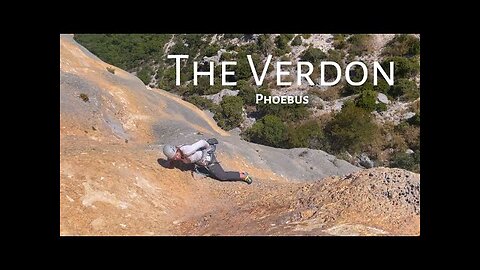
175	164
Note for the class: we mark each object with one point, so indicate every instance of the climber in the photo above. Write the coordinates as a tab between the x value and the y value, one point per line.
202	154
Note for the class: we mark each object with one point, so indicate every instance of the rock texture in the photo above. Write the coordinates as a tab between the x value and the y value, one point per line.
112	181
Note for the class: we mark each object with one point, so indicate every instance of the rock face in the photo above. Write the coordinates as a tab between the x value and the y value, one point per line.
217	98
113	180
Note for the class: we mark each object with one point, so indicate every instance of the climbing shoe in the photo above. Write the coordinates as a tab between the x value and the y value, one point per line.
248	179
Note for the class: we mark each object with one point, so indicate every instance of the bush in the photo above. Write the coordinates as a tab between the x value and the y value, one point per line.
351	129
212	50
265	44
226	56
282	44
402	45
360	44
339	42
313	55
382	86
230	114
309	134
410	134
406	161
405	89
350	89
286	112
144	74
242	69
269	130
167	82
247	92
404	67
306	36
202	103
337	57
297	41
414	120
367	100
126	51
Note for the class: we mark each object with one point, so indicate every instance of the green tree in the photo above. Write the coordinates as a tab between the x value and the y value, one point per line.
404	161
144	74
230	114
351	129
282	44
313	55
297	41
212	50
382	86
265	44
246	92
404	67
309	134
367	100
269	130
405	89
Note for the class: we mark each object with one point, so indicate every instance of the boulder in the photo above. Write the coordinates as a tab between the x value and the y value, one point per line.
217	98
365	161
383	98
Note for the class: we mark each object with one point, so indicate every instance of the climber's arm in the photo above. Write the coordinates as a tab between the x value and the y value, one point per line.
188	150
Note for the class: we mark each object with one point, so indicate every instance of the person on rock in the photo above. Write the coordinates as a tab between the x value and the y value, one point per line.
202	154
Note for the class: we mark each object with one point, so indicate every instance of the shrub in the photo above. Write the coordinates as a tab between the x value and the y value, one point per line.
212	50
350	89
414	120
286	112
265	44
366	100
405	89
230	114
350	129
404	161
306	36
126	51
202	103
203	86
359	44
404	67
309	134
84	97
269	130
297	41
144	75
402	45
246	92
313	55
382	86
226	56
282	44
337	57
339	42
167	82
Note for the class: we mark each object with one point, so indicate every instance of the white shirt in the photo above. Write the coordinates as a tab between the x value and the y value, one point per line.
192	152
